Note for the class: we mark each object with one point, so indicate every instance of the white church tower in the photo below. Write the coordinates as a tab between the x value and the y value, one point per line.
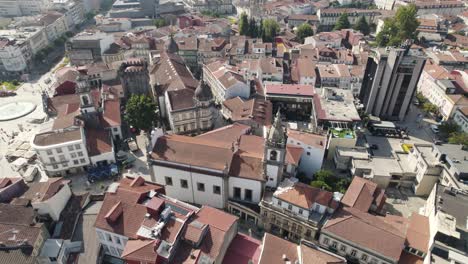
275	153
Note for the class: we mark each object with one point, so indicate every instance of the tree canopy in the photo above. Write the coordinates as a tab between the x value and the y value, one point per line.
325	179
304	31
342	22
140	112
270	30
399	28
362	26
243	24
459	138
253	28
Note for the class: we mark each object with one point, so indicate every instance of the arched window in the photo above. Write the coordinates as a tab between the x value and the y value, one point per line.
273	155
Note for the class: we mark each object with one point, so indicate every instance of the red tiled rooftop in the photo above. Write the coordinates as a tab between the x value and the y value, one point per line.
304	195
290	89
242	249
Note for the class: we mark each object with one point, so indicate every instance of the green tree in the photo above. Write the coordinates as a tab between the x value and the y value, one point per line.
321	185
448	128
323	175
459	138
362	26
430	108
260	29
342	22
406	21
325	179
253	29
243	24
270	29
304	31
420	97
140	112
399	28
160	22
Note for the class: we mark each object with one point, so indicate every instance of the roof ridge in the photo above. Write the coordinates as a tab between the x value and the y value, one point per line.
139	248
195	141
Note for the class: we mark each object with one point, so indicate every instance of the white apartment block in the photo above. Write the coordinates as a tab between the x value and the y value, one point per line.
74	11
224	83
445	163
55	25
441	91
16	8
461	118
314	150
447	211
61	151
17	47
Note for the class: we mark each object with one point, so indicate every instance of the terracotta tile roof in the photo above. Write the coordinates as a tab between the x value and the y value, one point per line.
67	87
314	140
256	109
274	248
181	99
212	151
437	72
290	89
57	137
464	110
128	222
227	134
215	218
171	73
304	195
98	141
367	231
305	68
42	191
140	251
362	193
314	256
17	226
111	107
194	231
293	154
417	235
242	249
192	151
131	214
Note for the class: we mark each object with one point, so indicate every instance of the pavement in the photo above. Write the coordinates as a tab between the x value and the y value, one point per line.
418	128
140	166
403	202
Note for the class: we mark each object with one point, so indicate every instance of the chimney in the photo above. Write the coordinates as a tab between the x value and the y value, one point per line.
138	181
114	212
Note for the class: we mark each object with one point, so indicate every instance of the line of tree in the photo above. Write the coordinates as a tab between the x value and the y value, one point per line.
342	23
361	25
266	29
399	28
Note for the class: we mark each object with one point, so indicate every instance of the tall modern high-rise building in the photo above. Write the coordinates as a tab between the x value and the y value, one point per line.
390	81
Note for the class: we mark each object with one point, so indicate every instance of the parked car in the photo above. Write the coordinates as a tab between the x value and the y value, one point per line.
435	129
132	144
30	173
